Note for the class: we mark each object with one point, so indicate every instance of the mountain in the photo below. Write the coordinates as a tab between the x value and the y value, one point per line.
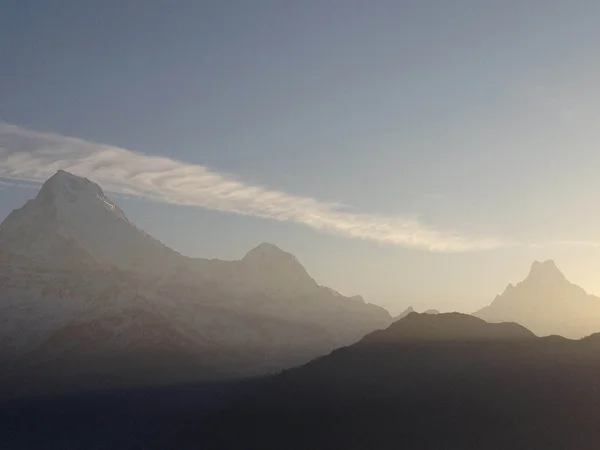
404	313
69	213
410	309
79	282
425	382
449	327
546	303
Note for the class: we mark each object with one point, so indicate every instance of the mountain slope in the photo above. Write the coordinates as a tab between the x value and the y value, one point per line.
74	268
449	327
70	210
546	303
425	382
472	385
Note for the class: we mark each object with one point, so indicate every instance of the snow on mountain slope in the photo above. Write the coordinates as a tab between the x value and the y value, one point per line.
72	221
78	279
57	324
71	210
72	216
37	298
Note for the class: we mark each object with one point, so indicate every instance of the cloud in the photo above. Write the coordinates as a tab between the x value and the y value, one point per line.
31	156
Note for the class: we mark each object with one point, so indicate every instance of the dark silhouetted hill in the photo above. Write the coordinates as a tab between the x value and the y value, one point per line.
447	381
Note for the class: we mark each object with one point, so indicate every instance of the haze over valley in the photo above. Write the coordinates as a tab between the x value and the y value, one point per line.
91	302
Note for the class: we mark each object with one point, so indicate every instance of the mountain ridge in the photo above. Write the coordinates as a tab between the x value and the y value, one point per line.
480	385
71	262
446	327
546	303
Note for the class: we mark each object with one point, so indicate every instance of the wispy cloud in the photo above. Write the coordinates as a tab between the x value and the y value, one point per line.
32	156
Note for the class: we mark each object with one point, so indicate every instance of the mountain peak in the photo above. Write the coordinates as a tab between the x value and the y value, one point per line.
404	313
267	251
63	181
547	303
268	260
64	188
73	209
270	255
546	270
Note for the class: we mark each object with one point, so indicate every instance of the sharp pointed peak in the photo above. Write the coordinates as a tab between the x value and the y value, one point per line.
405	313
63	175
65	183
545	269
509	288
64	189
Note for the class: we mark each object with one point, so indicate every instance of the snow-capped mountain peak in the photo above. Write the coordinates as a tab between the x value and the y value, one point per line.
67	192
74	210
63	295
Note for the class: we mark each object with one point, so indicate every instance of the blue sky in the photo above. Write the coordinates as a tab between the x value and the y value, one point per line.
445	144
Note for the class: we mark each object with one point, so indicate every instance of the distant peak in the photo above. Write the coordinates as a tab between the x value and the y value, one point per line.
268	247
266	251
405	313
545	270
271	259
543	264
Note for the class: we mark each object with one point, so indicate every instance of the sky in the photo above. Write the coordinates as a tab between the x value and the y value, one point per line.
416	152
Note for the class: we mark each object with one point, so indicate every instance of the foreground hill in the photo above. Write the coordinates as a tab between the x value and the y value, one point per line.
546	303
87	299
427	381
447	381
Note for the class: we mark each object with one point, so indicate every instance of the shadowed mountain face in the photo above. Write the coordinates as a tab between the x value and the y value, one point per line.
446	328
425	382
79	282
546	303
